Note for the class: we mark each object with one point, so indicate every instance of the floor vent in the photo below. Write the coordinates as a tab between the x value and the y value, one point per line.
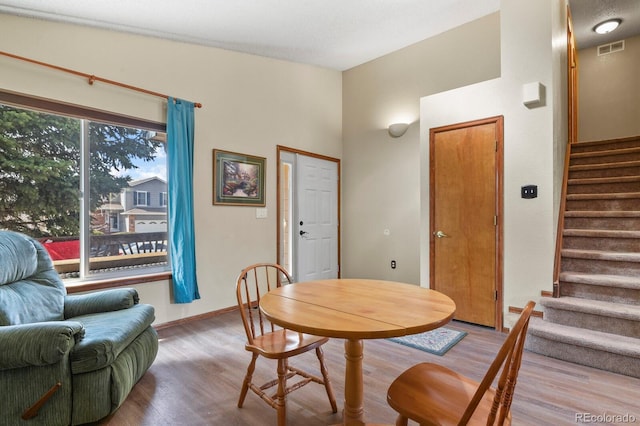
616	46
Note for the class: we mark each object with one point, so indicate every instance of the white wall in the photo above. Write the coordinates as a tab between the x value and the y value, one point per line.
250	105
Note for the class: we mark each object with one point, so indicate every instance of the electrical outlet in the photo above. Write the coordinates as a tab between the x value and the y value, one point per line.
393	264
529	191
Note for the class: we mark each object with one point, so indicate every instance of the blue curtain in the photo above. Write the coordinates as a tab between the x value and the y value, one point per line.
182	248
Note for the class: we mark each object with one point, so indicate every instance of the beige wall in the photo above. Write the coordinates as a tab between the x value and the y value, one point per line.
251	104
382	175
609	90
386	180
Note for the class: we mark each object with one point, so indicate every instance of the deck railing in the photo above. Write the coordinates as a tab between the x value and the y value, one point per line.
115	251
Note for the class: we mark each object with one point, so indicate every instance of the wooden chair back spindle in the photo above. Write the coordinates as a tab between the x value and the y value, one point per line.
408	397
253	282
509	358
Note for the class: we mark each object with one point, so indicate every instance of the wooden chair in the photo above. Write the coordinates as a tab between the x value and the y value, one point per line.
431	394
263	338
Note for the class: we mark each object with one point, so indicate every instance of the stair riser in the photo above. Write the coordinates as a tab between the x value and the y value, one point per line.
627	296
604	156
607	361
603	173
565	332
595	322
596	266
605	244
610	223
624	204
605	146
604	188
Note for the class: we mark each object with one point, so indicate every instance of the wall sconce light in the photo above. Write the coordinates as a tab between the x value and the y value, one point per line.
398	129
607	26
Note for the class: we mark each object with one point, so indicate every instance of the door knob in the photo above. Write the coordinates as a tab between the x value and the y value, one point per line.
302	233
440	234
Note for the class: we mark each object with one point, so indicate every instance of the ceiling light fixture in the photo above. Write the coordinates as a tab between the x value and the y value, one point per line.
607	26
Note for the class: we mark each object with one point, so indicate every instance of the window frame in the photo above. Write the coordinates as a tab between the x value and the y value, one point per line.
136	200
83	113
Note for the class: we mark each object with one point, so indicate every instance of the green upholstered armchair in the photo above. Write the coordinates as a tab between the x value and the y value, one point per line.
65	359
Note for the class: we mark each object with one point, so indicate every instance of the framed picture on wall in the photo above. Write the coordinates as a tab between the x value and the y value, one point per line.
238	179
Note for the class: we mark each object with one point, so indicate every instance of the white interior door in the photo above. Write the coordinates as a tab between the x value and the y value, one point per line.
315	219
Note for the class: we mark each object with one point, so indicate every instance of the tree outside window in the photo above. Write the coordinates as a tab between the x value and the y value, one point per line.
41	176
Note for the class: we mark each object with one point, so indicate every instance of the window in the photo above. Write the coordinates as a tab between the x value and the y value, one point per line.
140	198
51	154
163	199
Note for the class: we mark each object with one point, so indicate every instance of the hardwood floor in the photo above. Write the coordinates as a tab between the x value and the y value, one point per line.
196	380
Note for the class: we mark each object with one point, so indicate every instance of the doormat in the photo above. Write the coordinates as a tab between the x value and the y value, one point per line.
437	341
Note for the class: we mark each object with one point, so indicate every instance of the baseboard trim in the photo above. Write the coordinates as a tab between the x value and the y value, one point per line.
517	310
193	318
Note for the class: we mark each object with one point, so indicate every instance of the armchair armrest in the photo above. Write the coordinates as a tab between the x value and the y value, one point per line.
37	344
100	301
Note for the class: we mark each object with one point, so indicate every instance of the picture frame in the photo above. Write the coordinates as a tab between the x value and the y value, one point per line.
238	179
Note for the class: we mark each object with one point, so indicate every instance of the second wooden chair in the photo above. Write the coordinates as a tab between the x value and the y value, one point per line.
431	394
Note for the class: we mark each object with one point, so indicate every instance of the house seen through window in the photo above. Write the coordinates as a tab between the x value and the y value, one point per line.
93	193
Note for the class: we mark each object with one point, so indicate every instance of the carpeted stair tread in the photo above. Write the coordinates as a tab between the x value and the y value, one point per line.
596	319
604	196
601	255
601	166
598	340
600	142
601	213
602	180
632	282
600	233
606	144
594	307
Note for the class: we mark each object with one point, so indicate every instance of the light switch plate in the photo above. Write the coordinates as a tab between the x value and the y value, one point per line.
261	213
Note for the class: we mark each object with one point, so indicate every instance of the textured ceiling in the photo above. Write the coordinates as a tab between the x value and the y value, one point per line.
586	14
337	34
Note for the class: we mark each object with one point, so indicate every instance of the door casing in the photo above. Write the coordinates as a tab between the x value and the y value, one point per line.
280	214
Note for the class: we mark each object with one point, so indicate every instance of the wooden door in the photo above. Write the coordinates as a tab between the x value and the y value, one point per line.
466	203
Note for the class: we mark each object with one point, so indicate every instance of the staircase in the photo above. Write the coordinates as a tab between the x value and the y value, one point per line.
596	319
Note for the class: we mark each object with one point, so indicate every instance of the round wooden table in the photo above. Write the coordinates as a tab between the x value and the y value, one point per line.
356	309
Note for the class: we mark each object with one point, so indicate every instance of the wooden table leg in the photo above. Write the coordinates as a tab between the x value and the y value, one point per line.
353	412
